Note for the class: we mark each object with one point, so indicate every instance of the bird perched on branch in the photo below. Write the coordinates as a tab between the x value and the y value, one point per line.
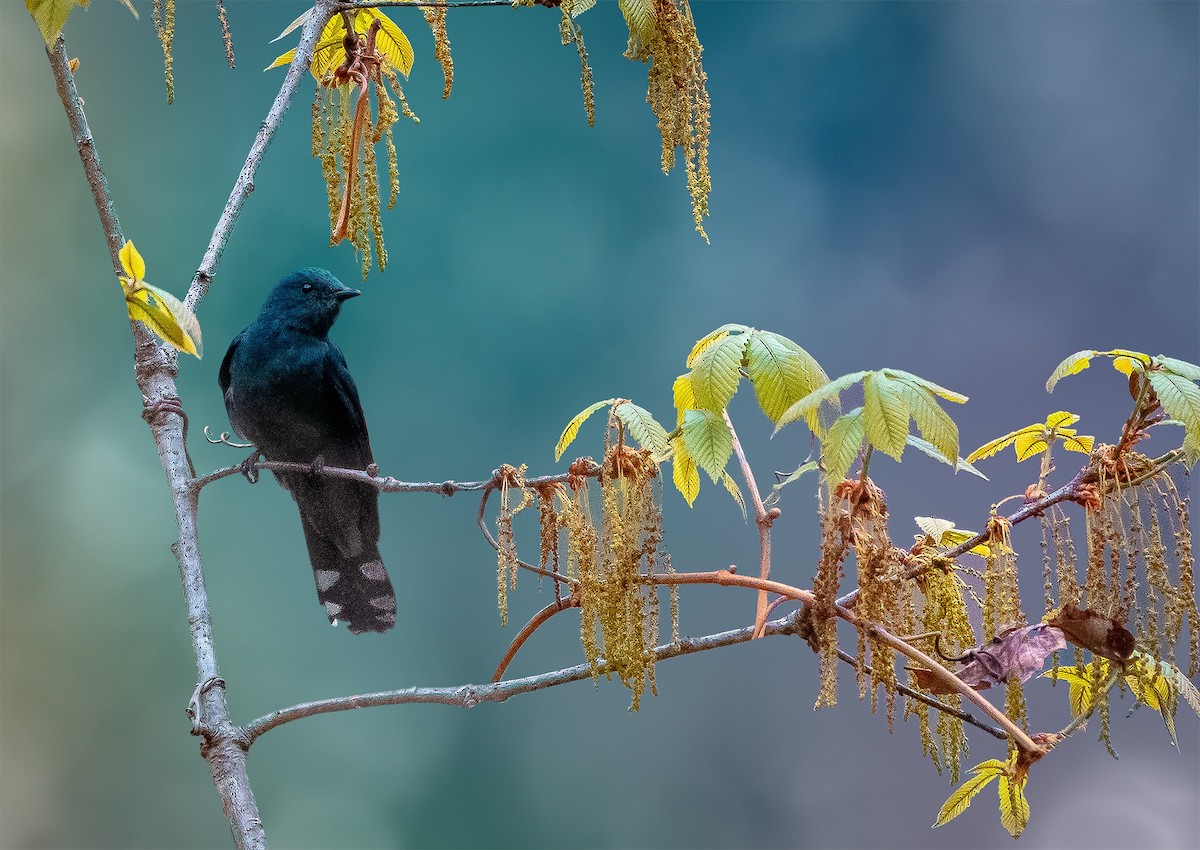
287	390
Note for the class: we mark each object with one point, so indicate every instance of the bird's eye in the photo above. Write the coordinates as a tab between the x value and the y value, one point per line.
306	288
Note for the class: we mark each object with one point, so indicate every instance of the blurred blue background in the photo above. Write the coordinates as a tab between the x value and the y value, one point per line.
967	191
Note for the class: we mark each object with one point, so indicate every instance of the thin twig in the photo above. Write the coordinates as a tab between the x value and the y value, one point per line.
468	696
532	626
762	518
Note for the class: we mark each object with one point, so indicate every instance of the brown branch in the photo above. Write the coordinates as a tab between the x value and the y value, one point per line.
763	518
532	626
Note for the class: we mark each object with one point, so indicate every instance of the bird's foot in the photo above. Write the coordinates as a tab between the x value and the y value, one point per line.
249	466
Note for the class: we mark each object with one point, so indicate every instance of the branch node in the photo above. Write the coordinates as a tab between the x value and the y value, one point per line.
195	706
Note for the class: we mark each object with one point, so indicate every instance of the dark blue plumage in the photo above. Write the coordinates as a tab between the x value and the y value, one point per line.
288	391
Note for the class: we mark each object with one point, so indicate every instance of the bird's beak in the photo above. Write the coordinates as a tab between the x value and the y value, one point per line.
347	293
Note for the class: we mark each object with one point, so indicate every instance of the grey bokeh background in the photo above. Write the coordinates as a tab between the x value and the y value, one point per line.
967	191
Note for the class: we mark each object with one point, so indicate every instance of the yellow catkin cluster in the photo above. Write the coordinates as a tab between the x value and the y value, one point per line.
879	600
506	548
1002	597
548	524
835	544
678	97
163	17
945	610
435	16
226	35
952	736
572	34
1183	601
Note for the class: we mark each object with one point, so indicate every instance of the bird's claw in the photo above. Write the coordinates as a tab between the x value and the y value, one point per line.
249	467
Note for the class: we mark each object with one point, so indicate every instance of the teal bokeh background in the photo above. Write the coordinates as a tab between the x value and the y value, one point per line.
966	191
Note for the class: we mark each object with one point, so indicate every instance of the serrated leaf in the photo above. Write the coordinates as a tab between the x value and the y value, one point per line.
51	15
934	527
812	402
1029	444
885	414
1014	808
391	42
960	465
572	429
132	261
1081	443
999	444
716	372
282	59
936	389
1061	419
1191	448
685	399
1083	682
1182	368
643	426
1072	365
1124	365
960	800
1179	397
166	316
841	444
578	7
708	441
731	487
640	18
684	472
710	338
781	373
935	424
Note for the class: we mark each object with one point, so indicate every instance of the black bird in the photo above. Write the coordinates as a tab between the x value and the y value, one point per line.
287	390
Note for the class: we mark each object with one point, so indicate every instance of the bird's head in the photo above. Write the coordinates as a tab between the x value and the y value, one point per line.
308	299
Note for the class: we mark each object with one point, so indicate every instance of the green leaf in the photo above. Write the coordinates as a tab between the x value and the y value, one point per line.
885	414
731	487
708	441
935	424
812	402
960	800
777	491
1179	397
716	372
841	444
51	15
684	472
782	373
711	337
1182	368
643	426
572	429
1073	365
949	395
165	315
1014	808
934	452
640	18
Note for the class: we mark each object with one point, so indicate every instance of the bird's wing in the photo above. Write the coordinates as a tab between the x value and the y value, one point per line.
342	388
223	376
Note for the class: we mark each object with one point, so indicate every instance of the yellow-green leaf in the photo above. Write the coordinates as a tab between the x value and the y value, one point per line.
640	18
572	429
132	262
1081	443
1179	397
826	393
282	59
731	487
1014	808
299	22
935	424
391	42
716	372
885	414
1182	368
643	426
841	444
1073	365
166	316
781	373
685	399
51	15
1029	444
710	338
960	800
949	395
684	472
708	441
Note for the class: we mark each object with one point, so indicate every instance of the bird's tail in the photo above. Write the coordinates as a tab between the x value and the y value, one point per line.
353	589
